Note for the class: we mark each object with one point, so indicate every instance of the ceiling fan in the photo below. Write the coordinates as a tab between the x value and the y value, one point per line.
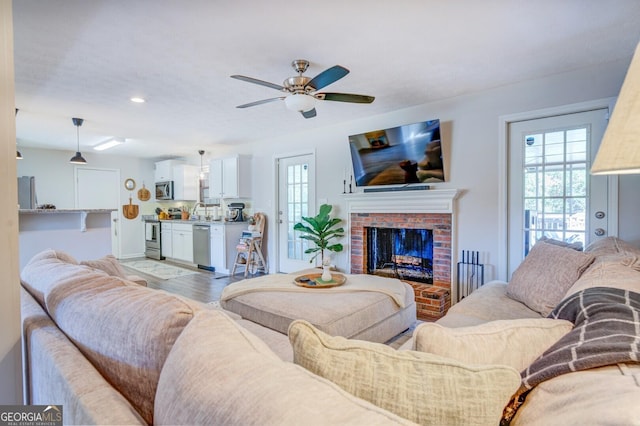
302	91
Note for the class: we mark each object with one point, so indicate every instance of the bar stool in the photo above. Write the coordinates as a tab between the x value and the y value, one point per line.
249	250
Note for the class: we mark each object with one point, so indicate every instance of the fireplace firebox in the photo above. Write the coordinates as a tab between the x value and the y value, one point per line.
400	253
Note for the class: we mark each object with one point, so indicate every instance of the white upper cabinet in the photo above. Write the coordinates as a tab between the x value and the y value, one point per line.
185	182
230	177
164	170
185	178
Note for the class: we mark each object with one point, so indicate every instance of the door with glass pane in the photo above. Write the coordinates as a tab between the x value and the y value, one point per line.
551	192
296	198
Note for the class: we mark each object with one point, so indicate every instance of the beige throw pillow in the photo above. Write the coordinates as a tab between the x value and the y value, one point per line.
219	373
425	388
108	264
576	246
125	331
516	343
545	275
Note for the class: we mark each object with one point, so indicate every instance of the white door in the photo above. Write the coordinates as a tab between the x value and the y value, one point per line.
551	192
296	198
100	189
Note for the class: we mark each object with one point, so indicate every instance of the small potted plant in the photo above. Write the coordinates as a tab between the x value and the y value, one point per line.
320	230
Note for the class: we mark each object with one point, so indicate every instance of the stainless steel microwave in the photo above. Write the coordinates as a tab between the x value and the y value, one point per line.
164	190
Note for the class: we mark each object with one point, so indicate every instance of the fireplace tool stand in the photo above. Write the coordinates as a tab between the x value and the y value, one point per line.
470	273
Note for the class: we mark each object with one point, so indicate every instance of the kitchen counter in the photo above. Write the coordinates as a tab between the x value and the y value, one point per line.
83	233
204	222
82	212
56	211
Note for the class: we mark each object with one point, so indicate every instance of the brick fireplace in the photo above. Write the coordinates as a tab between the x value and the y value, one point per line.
432	210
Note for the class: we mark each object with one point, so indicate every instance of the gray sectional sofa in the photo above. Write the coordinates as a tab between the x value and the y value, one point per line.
114	352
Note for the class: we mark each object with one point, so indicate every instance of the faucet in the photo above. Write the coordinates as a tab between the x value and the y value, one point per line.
195	206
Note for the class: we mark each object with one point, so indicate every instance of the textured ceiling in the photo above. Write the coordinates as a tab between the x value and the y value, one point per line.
79	58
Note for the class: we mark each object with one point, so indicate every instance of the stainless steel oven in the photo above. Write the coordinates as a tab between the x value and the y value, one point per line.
153	239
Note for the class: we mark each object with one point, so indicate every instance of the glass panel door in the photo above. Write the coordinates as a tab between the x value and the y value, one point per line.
551	192
555	186
296	199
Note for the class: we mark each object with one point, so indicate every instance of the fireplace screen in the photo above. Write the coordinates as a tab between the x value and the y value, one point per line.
401	253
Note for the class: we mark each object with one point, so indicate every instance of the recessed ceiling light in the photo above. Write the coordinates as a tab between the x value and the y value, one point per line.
137	100
109	144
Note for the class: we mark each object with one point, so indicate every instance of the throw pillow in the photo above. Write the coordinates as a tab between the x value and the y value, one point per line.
219	373
125	331
108	264
516	343
610	246
46	268
545	275
424	388
576	246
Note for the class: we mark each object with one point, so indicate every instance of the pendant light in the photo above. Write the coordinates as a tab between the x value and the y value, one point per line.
18	153
201	152
77	159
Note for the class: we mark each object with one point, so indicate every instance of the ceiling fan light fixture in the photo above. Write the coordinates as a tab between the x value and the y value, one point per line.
300	102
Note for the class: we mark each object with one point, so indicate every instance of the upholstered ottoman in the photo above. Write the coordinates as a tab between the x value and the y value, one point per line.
351	310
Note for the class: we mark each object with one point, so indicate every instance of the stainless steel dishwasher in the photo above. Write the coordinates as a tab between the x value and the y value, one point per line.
202	247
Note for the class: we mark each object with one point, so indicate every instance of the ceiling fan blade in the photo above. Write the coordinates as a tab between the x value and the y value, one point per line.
264	101
260	82
309	114
327	77
344	97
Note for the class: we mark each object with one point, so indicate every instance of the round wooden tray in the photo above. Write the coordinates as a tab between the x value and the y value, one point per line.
314	280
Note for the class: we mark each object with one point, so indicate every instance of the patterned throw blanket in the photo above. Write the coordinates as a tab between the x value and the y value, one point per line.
606	332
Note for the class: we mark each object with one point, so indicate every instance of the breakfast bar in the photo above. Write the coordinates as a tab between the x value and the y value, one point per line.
84	233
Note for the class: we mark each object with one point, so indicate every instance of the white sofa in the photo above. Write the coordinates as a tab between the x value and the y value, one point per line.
113	352
602	395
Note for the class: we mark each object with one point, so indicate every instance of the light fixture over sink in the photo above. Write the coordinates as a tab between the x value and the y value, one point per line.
201	152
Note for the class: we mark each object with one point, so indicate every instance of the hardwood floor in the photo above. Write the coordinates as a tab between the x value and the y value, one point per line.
204	286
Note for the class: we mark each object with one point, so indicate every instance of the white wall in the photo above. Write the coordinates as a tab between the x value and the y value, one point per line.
470	134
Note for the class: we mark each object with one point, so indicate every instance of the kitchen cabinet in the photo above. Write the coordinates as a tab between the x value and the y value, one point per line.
224	239
218	255
182	241
164	170
166	242
185	182
230	177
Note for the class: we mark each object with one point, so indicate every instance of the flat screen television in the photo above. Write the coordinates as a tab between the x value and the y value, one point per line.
403	155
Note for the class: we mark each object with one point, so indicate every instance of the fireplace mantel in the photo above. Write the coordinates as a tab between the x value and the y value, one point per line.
424	209
427	201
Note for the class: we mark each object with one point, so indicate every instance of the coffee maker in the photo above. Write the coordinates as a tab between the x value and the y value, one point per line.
234	213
